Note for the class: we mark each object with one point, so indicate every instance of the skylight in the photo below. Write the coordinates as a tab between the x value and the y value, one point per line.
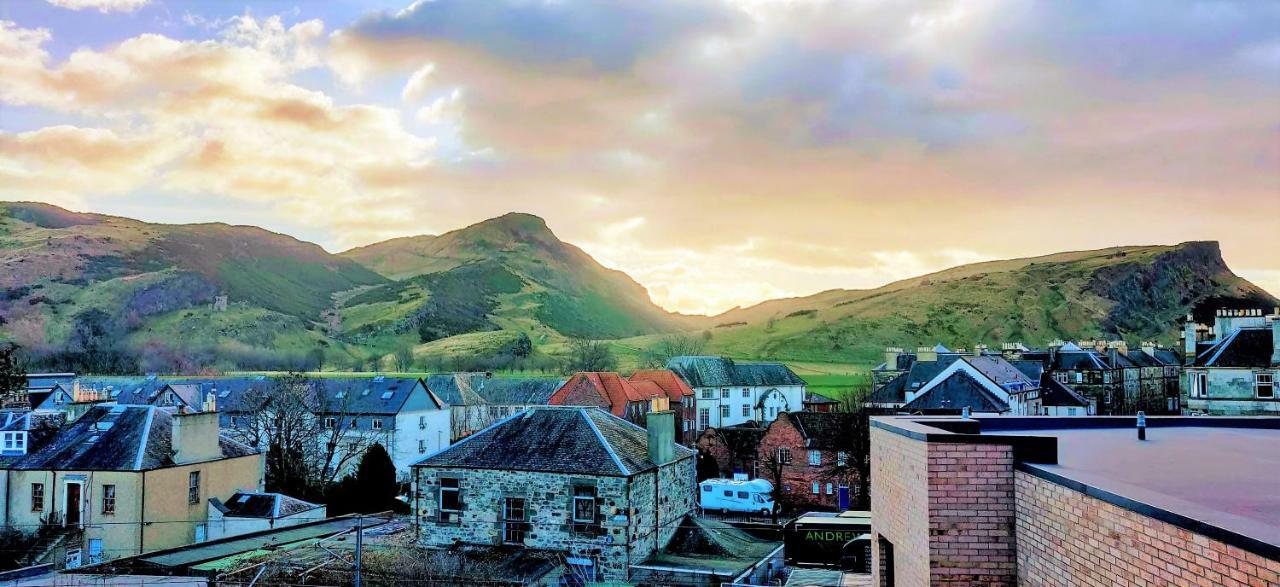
387	394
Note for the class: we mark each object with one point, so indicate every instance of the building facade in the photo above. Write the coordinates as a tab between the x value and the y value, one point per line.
122	480
579	481
1235	373
805	455
727	393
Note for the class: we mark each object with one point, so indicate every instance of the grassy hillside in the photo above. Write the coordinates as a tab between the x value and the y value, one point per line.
512	265
1137	293
148	284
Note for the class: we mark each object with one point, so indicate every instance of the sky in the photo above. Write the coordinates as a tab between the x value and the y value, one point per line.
720	152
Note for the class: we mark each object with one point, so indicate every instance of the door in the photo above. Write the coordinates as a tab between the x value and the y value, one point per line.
202	533
95	551
71	505
844	498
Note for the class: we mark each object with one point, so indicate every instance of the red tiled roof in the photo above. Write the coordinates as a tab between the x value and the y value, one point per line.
610	386
675	387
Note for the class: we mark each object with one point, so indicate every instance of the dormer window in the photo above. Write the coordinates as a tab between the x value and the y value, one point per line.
14	443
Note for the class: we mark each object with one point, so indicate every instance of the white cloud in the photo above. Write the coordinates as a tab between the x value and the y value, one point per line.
419	83
103	6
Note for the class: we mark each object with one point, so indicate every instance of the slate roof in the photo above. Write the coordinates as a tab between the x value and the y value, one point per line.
1032	369
893	392
1079	361
1249	347
244	504
815	398
37	382
921	372
675	387
700	371
1142	359
457	389
233	394
555	439
1057	393
1001	372
115	438
362	395
518	391
958	390
821	430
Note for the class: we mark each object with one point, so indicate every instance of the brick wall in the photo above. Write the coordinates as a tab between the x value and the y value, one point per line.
946	508
900	506
1068	538
798	476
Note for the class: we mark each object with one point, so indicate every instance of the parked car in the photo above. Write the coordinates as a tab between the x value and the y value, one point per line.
727	495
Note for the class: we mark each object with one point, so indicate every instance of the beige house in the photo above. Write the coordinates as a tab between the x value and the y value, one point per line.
122	480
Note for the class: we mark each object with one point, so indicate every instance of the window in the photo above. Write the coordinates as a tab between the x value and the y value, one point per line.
842	458
513	526
706	489
706	393
1263	385
353	423
704	418
422	422
724	411
815	458
584	508
815	488
828	489
784	455
377	423
193	487
1071	411
15	442
1079	377
746	392
330	423
422	446
1200	384
450	495
746	411
724	393
108	499
37	497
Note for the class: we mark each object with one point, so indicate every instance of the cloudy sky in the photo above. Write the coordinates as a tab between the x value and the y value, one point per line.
722	153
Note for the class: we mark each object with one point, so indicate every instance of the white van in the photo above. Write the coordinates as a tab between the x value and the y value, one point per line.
727	495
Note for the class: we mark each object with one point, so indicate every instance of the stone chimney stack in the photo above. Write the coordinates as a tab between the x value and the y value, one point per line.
926	354
1149	347
662	436
1189	340
1275	339
891	355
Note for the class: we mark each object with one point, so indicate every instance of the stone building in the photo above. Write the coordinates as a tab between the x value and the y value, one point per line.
1074	501
1236	372
728	393
983	383
579	481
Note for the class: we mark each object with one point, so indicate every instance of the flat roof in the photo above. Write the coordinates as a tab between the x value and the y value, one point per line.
1227	477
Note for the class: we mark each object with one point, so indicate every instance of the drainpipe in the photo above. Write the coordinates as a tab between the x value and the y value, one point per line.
657	512
142	517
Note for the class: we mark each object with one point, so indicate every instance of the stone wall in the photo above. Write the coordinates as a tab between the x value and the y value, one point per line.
626	534
1068	538
1231	393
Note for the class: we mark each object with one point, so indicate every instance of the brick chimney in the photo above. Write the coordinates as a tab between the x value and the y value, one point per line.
662	436
195	437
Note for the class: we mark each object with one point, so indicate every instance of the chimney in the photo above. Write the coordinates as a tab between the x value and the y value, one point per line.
891	355
926	354
1149	347
1119	345
1189	340
210	401
662	436
1275	340
195	437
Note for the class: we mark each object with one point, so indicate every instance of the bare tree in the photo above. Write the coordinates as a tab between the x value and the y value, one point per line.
671	346
13	376
403	358
854	440
585	354
307	429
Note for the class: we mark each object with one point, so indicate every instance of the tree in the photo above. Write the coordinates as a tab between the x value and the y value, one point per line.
13	376
585	354
671	346
371	489
854	439
522	347
306	429
402	358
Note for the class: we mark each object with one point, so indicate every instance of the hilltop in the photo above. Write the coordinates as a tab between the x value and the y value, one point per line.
1136	293
73	282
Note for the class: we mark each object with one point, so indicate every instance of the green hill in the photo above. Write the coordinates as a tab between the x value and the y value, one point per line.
506	271
1137	293
155	284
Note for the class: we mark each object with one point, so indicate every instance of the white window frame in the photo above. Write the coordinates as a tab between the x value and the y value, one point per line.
704	418
829	488
724	411
377	423
15	442
816	489
815	458
455	490
724	393
842	458
330	423
784	455
1258	384
746	411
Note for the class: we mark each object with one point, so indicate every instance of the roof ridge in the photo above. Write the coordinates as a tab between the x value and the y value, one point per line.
605	443
145	439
